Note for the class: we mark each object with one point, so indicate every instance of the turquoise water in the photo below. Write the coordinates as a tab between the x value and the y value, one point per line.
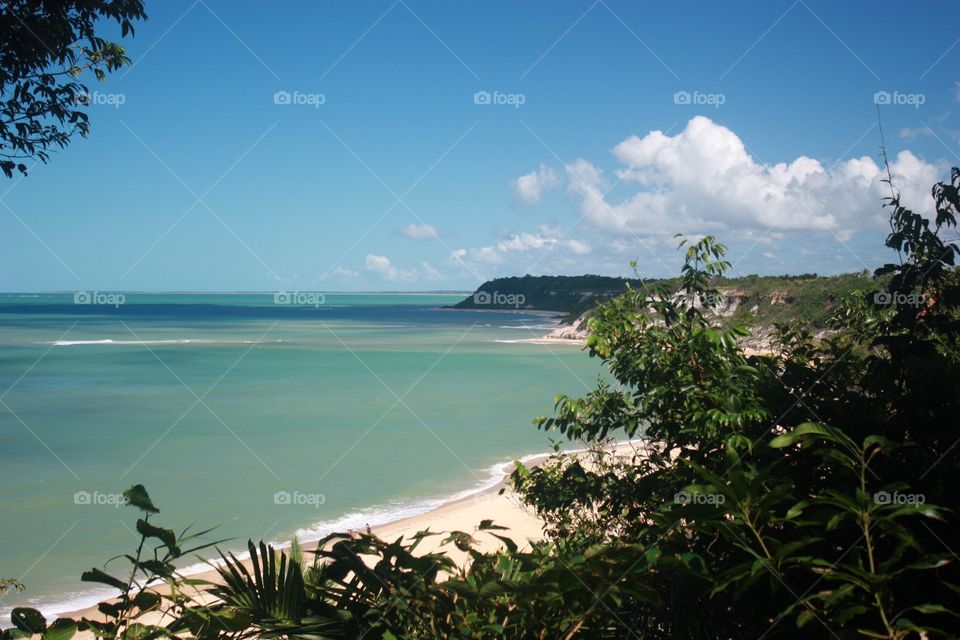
264	417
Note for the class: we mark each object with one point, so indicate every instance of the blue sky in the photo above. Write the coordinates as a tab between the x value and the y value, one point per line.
341	146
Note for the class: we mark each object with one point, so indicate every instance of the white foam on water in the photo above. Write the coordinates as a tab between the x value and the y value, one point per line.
539	327
108	341
540	340
52	605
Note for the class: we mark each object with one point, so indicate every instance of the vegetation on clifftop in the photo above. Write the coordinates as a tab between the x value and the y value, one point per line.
572	295
751	300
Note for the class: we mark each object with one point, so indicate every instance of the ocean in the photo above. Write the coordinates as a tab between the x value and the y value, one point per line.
266	416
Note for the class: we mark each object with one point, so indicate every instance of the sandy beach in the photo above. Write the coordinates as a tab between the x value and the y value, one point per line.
498	503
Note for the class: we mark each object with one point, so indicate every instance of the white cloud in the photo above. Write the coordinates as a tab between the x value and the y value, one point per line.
578	247
528	189
382	266
703	180
345	273
429	271
912	133
420	231
284	280
547	239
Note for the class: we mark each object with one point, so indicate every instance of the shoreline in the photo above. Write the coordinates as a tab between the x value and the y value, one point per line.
545	340
534	312
551	337
460	511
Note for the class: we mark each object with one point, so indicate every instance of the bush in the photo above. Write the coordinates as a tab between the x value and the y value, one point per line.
807	489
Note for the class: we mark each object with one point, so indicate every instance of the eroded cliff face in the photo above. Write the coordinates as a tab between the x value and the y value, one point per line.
575	331
732	300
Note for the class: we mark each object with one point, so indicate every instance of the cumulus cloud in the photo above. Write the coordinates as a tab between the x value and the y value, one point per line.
529	188
703	180
912	133
420	231
700	181
382	266
429	271
345	273
546	238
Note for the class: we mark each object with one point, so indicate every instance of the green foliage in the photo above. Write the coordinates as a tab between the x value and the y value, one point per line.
9	583
268	600
572	295
756	300
365	587
808	298
804	492
150	586
44	48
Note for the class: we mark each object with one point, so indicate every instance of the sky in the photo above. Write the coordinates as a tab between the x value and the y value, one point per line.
411	146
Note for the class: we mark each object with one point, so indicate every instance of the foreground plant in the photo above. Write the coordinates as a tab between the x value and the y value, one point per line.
45	48
152	590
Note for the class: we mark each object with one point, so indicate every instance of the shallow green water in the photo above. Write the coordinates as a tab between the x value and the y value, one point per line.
362	408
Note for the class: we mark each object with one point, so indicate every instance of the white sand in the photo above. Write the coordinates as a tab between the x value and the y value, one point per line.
464	515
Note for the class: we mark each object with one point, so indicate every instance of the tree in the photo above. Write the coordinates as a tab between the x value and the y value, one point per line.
812	487
45	47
